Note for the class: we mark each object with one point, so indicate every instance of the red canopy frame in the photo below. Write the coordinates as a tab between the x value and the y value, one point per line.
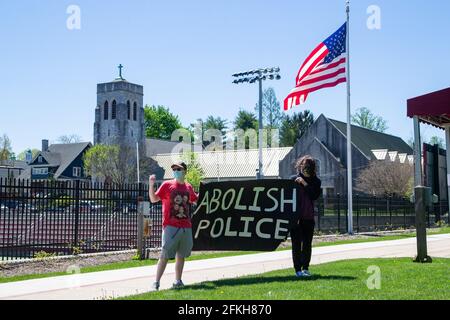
432	108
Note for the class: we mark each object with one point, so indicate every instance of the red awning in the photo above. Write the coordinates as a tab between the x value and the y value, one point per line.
432	108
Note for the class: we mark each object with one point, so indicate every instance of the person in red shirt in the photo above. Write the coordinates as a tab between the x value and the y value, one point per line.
176	196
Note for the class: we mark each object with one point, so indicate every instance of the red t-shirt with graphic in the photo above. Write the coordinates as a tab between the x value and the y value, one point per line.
176	198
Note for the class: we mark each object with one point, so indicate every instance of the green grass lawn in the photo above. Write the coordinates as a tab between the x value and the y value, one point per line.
343	280
138	263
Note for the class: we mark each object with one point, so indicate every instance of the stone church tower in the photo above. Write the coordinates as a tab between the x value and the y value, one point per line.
119	115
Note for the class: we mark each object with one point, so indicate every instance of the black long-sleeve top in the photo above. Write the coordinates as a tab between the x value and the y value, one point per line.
308	195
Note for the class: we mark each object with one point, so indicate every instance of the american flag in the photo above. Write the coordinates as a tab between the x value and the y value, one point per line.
324	68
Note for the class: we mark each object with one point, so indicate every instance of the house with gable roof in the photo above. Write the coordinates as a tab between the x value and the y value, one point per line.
58	162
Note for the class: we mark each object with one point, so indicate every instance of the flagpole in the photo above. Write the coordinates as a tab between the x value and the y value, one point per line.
349	131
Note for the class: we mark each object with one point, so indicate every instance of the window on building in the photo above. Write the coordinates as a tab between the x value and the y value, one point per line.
114	110
40	159
40	171
77	172
129	109
105	110
135	111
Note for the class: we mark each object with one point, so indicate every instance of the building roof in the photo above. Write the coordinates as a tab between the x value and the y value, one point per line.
367	140
61	155
229	164
13	164
432	108
155	146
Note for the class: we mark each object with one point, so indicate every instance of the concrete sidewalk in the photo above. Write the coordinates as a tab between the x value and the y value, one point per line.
118	283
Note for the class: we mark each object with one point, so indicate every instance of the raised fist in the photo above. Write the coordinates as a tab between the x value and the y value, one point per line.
152	180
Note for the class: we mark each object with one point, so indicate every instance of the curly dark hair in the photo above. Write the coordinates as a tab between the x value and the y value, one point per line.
306	163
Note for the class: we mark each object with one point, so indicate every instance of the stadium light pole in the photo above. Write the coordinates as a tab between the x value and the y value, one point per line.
258	75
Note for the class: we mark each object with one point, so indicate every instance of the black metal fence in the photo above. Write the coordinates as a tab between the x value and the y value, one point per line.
374	213
63	218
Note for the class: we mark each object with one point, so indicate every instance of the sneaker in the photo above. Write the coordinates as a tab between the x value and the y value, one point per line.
155	285
306	273
178	284
299	274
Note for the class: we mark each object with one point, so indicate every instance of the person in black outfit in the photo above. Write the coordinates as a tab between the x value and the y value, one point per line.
302	232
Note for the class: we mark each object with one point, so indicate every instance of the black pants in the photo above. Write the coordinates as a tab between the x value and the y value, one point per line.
301	236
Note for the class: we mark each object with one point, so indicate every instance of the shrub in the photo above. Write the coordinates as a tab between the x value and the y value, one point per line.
76	251
441	224
62	202
43	255
386	178
136	256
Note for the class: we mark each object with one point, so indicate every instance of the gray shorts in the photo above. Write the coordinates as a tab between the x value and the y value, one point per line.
176	241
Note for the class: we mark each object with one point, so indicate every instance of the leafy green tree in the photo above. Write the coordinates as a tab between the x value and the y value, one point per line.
111	163
435	140
5	148
363	117
160	123
21	156
216	123
272	116
245	120
195	173
199	129
294	127
410	140
271	110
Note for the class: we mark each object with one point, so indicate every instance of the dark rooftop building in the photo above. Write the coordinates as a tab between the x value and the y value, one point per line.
326	141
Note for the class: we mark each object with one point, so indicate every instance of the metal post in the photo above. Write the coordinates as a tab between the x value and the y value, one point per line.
357	213
252	76
421	195
349	132
77	212
389	204
417	153
447	139
339	211
140	226
260	174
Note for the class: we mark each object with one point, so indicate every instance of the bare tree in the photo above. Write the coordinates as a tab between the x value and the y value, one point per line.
386	178
66	139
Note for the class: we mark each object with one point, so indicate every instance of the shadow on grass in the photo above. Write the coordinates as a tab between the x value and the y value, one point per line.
263	280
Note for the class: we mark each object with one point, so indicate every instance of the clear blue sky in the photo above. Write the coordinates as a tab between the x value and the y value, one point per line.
184	52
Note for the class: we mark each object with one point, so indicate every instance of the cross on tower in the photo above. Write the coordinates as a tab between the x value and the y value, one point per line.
120	71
